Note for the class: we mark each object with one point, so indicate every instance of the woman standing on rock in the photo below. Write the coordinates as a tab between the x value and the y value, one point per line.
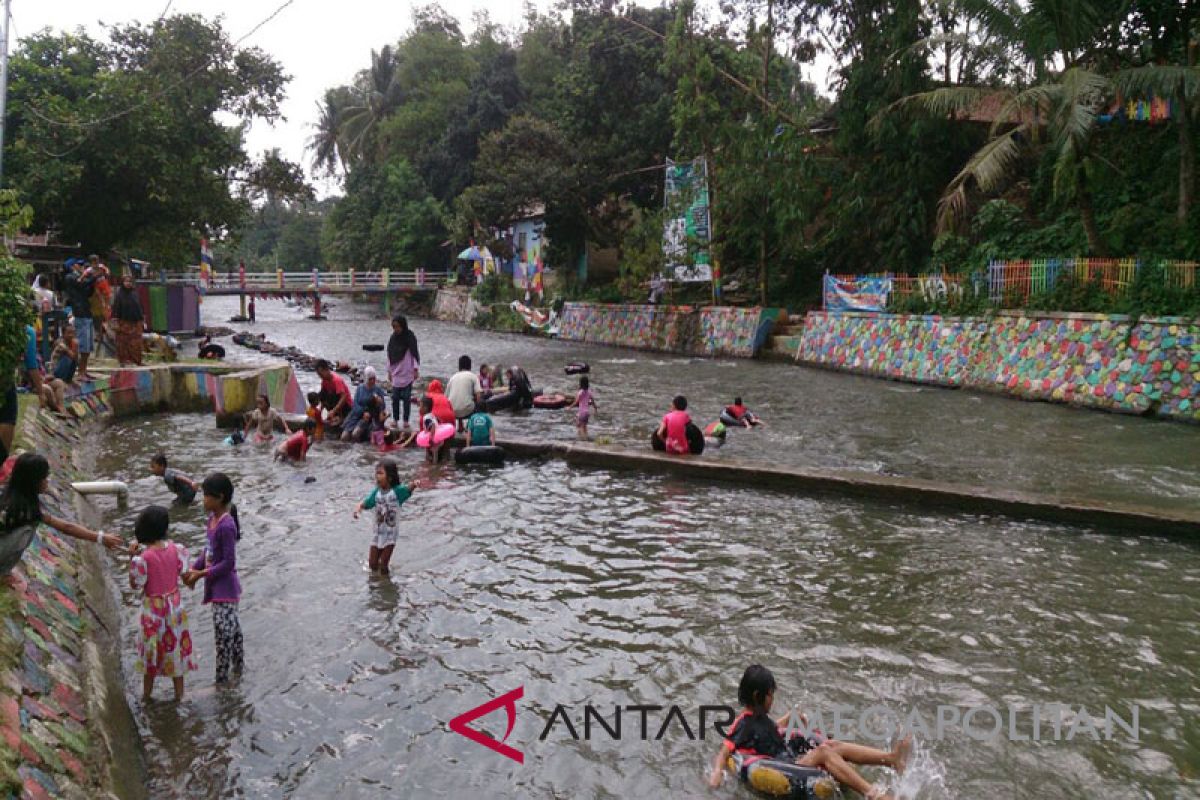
129	319
404	365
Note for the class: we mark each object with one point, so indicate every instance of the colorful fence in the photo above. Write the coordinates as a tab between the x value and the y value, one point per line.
711	331
170	308
1088	360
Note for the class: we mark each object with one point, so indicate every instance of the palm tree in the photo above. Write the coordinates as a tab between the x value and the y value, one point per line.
376	93
329	150
1058	108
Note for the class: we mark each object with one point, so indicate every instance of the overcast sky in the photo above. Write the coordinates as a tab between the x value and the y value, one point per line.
318	42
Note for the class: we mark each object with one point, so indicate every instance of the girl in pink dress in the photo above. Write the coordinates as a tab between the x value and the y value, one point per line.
165	646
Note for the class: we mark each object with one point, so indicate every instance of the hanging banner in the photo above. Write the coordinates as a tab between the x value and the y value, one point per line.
860	294
687	229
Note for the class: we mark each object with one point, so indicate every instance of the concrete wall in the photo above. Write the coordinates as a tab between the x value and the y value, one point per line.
1151	366
64	721
710	331
227	390
455	304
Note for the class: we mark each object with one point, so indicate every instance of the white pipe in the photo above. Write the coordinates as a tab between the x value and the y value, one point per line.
100	487
119	488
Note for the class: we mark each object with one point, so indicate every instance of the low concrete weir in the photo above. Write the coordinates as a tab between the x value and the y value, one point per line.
909	492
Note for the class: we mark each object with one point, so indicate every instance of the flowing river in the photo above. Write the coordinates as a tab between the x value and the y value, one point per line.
614	589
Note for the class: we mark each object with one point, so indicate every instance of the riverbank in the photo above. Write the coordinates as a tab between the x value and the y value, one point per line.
1143	366
66	728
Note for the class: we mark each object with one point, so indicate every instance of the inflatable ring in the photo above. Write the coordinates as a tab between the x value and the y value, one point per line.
695	440
482	454
551	401
578	368
783	778
715	429
731	420
440	434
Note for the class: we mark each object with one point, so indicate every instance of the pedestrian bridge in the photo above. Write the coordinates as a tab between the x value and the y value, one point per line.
313	282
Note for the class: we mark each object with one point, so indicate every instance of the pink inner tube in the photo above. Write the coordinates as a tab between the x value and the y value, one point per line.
440	434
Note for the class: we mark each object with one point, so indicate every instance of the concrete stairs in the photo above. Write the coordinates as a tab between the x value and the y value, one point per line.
784	339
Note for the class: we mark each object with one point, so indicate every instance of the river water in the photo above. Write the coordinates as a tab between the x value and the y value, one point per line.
617	589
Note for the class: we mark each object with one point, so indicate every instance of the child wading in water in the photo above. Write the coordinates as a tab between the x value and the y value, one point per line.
386	498
295	447
218	566
313	412
754	733
263	419
21	511
586	403
165	647
183	486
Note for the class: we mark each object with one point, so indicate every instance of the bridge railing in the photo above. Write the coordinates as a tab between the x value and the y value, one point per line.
292	281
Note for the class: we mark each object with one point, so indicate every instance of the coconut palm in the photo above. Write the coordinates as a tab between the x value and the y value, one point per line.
377	92
329	151
1057	109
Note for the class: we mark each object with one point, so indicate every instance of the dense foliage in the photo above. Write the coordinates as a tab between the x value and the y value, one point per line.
136	142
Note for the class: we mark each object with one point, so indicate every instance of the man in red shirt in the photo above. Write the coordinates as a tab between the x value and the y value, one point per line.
335	395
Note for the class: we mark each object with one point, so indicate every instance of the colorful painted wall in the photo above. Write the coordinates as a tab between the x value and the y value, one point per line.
710	331
63	719
186	387
1089	360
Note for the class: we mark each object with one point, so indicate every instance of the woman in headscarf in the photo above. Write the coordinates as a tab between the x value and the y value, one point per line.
404	366
128	318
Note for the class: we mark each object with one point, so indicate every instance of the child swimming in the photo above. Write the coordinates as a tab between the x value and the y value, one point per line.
396	439
295	447
165	646
183	486
386	498
263	419
754	733
585	403
738	414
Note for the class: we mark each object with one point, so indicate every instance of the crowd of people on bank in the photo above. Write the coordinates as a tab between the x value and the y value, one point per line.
93	314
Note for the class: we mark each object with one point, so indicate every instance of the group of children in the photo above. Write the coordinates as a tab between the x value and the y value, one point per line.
157	567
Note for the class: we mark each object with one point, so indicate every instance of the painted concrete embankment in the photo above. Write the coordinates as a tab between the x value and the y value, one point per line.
905	492
687	330
64	722
65	728
1114	363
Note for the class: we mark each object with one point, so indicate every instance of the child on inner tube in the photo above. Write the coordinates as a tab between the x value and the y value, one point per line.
754	733
742	415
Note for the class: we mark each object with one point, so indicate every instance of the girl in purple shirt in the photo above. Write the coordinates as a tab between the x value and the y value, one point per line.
217	564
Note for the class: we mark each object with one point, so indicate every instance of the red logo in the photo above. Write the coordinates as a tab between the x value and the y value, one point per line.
509	703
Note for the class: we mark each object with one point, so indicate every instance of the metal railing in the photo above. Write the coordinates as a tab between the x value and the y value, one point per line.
312	280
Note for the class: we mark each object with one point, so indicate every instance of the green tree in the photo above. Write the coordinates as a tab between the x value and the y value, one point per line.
122	143
387	219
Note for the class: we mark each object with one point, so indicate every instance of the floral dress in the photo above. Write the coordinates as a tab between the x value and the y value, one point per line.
165	646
